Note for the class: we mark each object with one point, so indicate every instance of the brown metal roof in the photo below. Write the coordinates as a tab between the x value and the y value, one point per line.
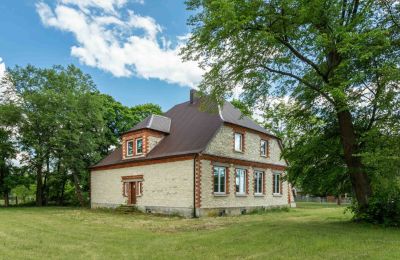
191	129
155	122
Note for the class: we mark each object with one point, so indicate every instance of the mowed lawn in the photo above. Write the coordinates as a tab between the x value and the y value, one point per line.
307	232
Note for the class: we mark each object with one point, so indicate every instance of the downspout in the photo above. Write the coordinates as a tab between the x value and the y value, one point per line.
194	186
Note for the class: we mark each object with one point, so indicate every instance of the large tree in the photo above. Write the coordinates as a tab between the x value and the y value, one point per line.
337	58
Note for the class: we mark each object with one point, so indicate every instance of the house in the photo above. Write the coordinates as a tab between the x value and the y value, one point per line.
194	162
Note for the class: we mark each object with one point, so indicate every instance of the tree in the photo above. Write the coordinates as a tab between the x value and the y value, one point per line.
9	117
339	58
62	125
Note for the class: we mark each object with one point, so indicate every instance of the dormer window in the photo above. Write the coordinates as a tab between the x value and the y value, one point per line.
129	148
139	146
238	142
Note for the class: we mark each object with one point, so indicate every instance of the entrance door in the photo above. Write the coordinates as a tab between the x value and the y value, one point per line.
132	193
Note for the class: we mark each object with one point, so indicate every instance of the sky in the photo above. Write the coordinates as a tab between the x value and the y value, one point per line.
129	47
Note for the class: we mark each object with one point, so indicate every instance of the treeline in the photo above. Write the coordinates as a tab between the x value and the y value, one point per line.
55	124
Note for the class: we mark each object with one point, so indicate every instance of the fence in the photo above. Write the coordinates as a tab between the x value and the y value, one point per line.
329	199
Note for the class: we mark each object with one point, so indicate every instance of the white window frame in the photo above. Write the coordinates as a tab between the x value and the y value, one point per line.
258	174
277	184
264	143
136	145
139	188
240	143
240	181
219	169
127	148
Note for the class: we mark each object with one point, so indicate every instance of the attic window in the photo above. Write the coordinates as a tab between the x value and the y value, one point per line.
264	148
238	142
139	146
129	148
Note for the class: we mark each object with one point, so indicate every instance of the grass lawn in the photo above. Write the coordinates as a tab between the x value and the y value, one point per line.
307	232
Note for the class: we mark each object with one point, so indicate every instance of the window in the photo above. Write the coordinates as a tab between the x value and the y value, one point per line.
276	186
139	146
126	189
238	142
139	188
240	181
129	148
264	148
258	182
219	179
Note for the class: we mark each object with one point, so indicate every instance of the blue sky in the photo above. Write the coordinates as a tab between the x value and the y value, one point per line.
129	47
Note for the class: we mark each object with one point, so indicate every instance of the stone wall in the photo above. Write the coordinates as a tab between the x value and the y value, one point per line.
230	200
223	145
166	187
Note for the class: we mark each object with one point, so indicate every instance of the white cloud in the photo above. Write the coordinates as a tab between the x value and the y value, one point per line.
2	68
120	41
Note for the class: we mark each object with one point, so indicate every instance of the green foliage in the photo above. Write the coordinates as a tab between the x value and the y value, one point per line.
384	208
246	111
338	61
66	127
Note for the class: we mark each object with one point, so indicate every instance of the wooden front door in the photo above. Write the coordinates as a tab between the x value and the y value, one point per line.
132	193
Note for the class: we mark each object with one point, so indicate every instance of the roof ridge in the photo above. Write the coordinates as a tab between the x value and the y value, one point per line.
150	121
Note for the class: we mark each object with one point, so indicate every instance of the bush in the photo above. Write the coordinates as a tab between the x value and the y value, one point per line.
383	208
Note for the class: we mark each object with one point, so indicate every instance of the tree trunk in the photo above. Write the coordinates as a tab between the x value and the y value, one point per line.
6	199
39	185
78	190
359	178
61	196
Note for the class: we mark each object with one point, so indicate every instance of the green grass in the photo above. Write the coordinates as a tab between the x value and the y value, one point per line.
310	231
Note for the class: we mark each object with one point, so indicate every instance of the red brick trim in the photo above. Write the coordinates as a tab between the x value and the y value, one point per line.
144	162
227	186
281	184
242	162
198	183
132	177
264	182
246	175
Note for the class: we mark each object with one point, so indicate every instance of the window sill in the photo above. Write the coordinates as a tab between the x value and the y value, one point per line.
241	195
220	195
277	195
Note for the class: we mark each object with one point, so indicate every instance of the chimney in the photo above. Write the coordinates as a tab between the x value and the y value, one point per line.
192	95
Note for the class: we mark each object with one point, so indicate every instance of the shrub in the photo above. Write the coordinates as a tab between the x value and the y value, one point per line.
383	208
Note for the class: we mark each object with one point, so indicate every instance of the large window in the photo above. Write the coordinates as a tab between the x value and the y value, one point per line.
258	182
129	148
240	181
238	142
219	180
139	146
276	185
264	148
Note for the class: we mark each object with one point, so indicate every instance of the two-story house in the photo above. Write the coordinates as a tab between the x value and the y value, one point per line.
194	163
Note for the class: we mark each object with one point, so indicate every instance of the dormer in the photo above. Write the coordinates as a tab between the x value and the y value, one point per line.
141	139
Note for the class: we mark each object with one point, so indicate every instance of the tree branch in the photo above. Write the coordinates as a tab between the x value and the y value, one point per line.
303	58
308	84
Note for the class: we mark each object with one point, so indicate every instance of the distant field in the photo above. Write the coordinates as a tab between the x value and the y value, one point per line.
312	231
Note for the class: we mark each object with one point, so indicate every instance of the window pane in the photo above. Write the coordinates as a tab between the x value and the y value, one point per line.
258	181
129	149
263	147
238	142
219	179
216	173
139	146
240	180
